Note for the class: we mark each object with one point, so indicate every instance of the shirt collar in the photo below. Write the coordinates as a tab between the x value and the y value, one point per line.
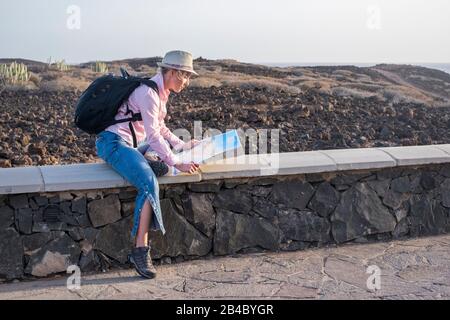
163	93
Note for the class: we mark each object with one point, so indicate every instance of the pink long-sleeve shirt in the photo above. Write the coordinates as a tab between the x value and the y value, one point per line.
152	128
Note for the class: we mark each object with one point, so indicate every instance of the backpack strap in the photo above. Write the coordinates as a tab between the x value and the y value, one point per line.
138	116
133	134
124	72
150	83
130	124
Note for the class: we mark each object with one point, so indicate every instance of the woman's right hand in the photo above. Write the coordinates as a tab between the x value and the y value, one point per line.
187	167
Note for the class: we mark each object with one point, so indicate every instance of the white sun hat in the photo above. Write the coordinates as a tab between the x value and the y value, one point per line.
179	60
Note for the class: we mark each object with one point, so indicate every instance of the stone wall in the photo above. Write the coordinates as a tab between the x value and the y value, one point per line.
44	233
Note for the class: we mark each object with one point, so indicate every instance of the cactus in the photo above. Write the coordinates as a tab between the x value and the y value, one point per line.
99	67
14	73
62	66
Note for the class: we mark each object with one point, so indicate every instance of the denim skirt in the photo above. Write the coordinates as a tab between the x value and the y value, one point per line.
131	164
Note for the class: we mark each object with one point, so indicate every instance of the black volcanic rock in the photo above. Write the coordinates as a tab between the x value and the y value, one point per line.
37	126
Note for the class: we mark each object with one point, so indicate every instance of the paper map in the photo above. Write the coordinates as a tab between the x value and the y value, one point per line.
210	147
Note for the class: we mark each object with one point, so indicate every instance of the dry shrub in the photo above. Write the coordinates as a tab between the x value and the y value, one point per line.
204	82
400	94
345	73
208	68
340	78
35	79
348	76
228	62
306	72
363	78
269	85
308	79
323	86
20	86
240	80
65	83
425	79
364	87
343	91
145	69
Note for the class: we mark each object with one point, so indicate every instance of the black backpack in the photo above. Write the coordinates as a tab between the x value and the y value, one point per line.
98	105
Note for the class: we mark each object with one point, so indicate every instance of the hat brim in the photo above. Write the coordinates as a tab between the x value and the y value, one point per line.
163	65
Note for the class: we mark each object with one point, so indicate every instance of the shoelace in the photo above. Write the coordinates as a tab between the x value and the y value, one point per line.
144	260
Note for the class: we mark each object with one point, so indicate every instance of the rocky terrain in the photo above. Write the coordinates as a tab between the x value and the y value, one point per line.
314	107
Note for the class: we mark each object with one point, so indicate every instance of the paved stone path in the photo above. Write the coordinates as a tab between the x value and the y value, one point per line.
411	269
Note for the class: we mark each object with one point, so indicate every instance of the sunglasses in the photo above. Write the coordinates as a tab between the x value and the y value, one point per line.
182	75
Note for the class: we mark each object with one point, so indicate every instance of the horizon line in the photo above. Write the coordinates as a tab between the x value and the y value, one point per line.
243	61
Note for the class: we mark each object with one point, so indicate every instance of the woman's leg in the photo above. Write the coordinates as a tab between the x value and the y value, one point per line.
146	213
132	165
144	224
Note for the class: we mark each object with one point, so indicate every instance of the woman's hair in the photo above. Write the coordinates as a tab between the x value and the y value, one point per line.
163	70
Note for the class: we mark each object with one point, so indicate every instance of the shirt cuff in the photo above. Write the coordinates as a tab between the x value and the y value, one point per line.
172	159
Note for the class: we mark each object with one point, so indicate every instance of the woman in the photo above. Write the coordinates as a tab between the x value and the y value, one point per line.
117	146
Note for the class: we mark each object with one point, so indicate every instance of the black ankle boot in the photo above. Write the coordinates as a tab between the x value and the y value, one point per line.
140	258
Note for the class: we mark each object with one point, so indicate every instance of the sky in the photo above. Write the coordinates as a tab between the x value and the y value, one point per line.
256	31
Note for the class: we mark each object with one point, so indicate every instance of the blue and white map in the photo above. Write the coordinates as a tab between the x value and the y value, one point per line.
210	147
